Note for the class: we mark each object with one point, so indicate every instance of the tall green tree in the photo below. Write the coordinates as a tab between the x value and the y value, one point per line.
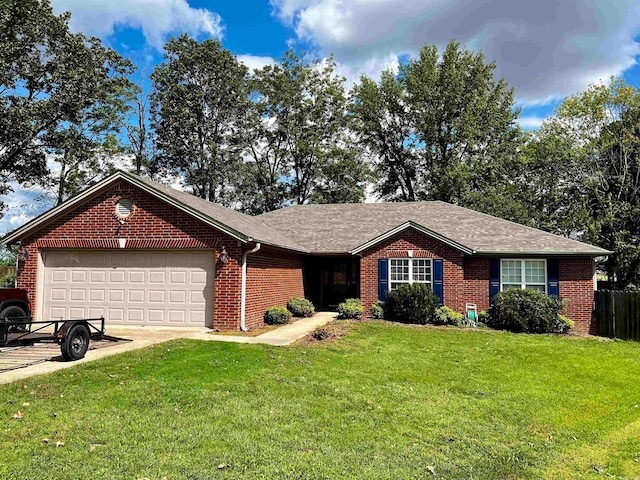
199	102
441	128
590	150
49	79
299	149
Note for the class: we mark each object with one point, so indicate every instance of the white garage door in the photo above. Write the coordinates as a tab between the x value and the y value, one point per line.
136	287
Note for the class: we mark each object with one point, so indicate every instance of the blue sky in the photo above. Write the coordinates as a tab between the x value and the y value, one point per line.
546	49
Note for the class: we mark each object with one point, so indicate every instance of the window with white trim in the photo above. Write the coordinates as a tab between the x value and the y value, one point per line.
409	270
520	273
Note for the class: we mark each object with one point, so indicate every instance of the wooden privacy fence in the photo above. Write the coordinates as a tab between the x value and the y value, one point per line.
618	314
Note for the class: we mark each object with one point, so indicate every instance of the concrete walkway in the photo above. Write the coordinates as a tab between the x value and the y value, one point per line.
147	336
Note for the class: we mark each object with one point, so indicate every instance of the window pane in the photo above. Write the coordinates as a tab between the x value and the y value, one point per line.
399	269
534	271
421	270
536	287
506	286
511	271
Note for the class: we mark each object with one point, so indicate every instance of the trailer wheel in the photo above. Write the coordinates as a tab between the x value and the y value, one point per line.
14	312
76	343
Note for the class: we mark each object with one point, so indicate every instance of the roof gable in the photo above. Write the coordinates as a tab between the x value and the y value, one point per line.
235	224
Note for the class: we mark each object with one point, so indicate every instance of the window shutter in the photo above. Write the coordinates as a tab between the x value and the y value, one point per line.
553	277
438	278
383	278
494	278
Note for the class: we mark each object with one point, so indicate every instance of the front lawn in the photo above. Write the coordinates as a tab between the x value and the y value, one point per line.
385	401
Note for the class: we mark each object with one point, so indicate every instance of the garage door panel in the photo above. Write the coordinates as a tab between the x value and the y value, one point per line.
135	287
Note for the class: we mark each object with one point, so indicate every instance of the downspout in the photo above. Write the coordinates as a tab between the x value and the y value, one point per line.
243	294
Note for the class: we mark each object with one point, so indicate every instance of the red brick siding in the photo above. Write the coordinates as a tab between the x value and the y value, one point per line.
273	278
423	247
466	279
476	282
155	224
576	288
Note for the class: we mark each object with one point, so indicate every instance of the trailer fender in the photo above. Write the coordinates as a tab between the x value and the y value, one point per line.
62	332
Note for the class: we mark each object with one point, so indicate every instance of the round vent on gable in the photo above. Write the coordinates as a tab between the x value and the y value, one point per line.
124	208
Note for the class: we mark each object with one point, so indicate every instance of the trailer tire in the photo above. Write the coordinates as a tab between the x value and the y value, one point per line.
76	343
14	311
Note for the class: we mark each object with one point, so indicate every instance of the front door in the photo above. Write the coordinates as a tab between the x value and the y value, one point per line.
339	282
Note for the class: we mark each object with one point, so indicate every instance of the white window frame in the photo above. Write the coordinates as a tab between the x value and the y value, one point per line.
410	281
522	261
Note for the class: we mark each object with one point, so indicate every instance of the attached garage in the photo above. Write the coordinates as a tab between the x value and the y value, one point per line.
132	287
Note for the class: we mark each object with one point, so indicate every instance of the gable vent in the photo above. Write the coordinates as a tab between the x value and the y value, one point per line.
124	208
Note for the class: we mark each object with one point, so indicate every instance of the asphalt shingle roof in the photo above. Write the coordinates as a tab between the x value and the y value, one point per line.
341	228
251	227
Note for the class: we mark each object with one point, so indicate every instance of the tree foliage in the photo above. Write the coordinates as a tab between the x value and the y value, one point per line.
588	181
439	129
299	148
55	91
199	101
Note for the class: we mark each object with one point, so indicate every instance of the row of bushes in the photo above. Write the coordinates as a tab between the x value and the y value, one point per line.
527	311
516	310
297	307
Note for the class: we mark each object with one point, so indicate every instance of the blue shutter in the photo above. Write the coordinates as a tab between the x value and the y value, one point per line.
438	279
553	277
383	278
494	278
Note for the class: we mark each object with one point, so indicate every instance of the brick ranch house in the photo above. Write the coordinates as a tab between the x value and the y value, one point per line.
142	253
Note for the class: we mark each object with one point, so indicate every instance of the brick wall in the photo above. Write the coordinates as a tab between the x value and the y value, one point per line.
466	279
576	287
423	247
155	224
476	282
273	278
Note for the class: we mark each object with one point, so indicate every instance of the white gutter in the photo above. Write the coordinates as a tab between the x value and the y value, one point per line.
243	294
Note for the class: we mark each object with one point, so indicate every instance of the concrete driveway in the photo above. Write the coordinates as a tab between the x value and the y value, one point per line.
145	336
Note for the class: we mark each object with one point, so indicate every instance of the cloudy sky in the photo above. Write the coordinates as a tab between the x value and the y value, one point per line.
546	49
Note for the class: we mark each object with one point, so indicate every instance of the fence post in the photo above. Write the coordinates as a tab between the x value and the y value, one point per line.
613	316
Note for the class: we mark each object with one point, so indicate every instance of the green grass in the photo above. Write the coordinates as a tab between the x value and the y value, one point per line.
385	401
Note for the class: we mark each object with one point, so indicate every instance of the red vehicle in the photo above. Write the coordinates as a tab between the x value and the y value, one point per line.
14	303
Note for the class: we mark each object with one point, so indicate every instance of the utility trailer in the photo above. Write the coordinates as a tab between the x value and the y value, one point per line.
73	336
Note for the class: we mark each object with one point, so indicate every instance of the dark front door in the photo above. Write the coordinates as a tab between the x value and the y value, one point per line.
331	280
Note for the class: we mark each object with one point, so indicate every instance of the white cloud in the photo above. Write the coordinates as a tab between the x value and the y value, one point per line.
255	62
546	49
531	122
156	18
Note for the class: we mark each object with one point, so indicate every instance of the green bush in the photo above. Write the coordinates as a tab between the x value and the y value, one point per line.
411	303
351	308
277	316
528	311
562	325
301	307
483	318
447	316
377	310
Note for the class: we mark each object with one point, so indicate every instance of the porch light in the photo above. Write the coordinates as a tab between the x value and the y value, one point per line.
224	256
23	254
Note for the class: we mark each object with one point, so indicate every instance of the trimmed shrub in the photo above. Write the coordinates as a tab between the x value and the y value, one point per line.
447	316
277	316
324	332
301	307
411	303
562	325
483	318
377	310
528	311
351	308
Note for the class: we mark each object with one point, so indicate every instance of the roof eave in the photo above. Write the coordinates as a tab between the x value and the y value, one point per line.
420	228
567	253
41	220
